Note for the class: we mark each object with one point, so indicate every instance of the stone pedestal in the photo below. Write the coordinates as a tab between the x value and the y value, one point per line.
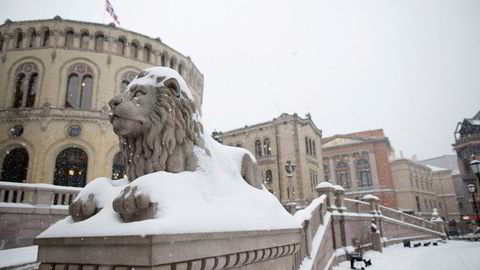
273	249
327	189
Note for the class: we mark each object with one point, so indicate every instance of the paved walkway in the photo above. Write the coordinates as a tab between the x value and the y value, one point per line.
453	255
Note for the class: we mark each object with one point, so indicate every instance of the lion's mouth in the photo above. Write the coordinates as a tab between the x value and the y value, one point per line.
114	117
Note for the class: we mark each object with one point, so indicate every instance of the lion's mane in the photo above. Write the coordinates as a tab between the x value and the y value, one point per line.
172	128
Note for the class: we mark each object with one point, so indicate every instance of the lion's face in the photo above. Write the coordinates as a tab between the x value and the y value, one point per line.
131	110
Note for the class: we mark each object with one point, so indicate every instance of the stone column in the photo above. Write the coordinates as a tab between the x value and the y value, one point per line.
327	189
339	193
353	173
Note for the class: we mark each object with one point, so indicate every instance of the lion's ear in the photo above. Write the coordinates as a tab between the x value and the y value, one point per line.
173	84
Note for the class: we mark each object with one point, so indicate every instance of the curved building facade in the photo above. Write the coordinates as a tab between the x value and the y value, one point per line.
56	78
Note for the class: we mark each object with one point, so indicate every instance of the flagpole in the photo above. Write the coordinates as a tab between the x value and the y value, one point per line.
104	8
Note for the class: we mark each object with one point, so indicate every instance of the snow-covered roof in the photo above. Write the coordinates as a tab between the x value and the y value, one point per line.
437	169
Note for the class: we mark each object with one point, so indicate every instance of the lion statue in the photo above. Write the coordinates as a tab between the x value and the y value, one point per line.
159	129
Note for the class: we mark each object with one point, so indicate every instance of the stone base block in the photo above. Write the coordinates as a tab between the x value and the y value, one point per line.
274	249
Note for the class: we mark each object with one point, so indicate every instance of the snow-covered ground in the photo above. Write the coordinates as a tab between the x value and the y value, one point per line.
446	256
18	256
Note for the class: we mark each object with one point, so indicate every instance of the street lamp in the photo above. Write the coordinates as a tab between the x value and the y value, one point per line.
472	190
475	166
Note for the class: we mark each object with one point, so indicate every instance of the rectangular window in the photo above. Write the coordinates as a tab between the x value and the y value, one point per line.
418	204
306	145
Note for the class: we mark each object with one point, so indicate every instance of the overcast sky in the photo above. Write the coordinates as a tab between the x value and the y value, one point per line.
411	67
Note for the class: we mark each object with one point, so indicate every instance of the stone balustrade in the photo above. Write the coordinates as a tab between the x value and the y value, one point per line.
37	194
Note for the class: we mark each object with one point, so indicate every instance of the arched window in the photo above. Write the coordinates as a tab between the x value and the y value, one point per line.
364	176
258	148
134	50
307	149
268	180
163	60
84	39
79	87
126	78
18	39
46	37
147	52
99	40
266	147
69	35
32	38
121	44
15	166
342	171
71	168
326	169
173	62
118	167
25	86
181	69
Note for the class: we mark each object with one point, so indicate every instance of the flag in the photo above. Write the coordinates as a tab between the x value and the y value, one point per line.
109	9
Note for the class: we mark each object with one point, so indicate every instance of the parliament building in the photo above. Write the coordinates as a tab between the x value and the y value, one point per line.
56	78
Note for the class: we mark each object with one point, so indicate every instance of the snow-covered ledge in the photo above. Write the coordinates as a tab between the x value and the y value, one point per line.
263	249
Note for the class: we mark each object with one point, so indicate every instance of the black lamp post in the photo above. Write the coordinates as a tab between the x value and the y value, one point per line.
475	166
472	190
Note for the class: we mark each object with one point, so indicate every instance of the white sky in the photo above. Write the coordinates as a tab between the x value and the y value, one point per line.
411	67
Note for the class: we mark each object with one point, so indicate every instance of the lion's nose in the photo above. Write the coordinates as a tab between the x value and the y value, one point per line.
115	101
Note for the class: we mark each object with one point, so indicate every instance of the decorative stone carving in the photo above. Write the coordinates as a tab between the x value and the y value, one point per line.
158	126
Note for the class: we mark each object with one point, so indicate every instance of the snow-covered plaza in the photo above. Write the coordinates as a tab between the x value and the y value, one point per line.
446	256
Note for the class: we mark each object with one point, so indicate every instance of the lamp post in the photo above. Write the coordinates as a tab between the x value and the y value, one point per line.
472	190
475	166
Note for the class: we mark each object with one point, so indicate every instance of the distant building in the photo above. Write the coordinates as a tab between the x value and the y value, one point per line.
278	144
414	187
446	167
467	146
360	163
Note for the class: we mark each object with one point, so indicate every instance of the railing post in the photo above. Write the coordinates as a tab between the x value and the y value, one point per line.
327	189
339	198
308	237
42	196
373	201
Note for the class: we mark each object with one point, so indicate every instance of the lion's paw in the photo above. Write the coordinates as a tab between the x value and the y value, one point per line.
134	207
81	210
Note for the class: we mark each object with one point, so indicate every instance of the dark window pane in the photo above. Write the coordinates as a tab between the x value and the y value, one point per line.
84	41
32	88
18	98
86	98
19	40
15	166
46	38
72	100
71	168
69	39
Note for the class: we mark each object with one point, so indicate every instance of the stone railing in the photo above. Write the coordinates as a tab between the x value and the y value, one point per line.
335	225
37	194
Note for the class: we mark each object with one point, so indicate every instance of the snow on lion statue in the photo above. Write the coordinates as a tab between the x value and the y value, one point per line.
159	130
